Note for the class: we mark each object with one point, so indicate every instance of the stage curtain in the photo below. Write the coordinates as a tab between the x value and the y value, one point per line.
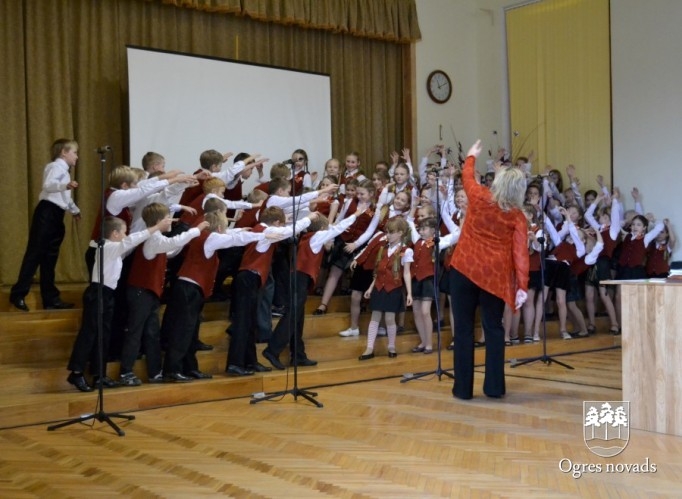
391	20
65	75
559	81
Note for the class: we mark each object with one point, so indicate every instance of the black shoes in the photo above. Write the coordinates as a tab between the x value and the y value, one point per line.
58	305
259	368
278	311
197	374
203	347
305	362
78	380
392	355
238	371
106	381
273	359
366	356
176	378
19	303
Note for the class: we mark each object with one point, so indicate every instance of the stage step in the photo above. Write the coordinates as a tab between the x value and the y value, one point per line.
35	346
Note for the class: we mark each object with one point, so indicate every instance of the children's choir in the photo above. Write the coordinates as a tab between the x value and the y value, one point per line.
387	237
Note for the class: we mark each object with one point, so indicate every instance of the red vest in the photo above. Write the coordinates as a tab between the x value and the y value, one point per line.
633	252
386	278
579	266
196	203
657	260
298	183
609	244
197	267
323	207
248	218
368	258
126	215
422	266
148	274
565	252
189	194
358	227
235	194
307	261
256	261
265	187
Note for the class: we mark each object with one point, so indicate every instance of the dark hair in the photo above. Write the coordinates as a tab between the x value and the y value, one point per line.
276	184
240	157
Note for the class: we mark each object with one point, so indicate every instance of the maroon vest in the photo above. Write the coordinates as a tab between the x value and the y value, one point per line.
256	261
189	194
126	215
307	261
657	259
358	227
196	203
565	252
148	274
386	279
422	267
197	267
633	252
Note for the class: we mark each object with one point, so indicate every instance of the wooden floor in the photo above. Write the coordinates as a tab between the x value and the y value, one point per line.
372	439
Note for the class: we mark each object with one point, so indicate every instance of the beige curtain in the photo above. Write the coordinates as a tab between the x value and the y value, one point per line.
391	20
65	75
560	89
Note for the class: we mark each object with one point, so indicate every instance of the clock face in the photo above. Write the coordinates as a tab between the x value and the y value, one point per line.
439	86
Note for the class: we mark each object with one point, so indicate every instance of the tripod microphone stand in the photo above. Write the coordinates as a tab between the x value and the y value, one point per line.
544	357
439	371
292	314
100	415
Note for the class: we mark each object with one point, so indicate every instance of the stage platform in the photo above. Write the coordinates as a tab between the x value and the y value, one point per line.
35	346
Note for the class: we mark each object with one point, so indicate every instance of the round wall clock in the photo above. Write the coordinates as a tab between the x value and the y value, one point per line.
439	86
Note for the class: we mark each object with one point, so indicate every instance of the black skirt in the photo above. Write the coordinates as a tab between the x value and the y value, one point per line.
423	290
361	279
381	301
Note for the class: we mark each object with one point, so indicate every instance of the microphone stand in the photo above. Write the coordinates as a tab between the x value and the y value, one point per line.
292	313
439	371
544	357
100	415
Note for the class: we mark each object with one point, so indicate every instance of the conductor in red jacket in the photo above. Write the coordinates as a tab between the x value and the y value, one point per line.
488	268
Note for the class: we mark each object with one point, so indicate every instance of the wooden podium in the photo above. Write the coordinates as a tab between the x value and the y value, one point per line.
652	353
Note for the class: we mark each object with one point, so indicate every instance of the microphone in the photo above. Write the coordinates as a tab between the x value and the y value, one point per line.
103	149
287	162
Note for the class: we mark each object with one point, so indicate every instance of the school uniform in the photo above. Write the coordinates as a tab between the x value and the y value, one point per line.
308	264
145	287
46	235
387	294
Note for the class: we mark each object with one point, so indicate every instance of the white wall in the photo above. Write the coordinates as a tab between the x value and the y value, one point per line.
466	39
647	104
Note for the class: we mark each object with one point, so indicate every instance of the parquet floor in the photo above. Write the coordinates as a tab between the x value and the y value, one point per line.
373	439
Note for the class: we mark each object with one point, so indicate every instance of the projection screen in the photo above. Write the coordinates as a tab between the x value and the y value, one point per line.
181	105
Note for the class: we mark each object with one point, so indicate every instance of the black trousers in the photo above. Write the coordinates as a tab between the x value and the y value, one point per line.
466	297
143	329
281	272
44	240
282	335
181	321
242	349
85	348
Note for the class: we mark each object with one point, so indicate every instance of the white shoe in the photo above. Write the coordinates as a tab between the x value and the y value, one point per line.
350	332
566	335
382	331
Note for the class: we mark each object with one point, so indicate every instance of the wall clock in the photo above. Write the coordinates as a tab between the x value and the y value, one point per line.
439	86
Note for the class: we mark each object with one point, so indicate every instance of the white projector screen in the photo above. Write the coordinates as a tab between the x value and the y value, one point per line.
181	105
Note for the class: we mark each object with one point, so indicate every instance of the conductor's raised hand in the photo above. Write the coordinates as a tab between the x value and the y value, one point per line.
475	149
